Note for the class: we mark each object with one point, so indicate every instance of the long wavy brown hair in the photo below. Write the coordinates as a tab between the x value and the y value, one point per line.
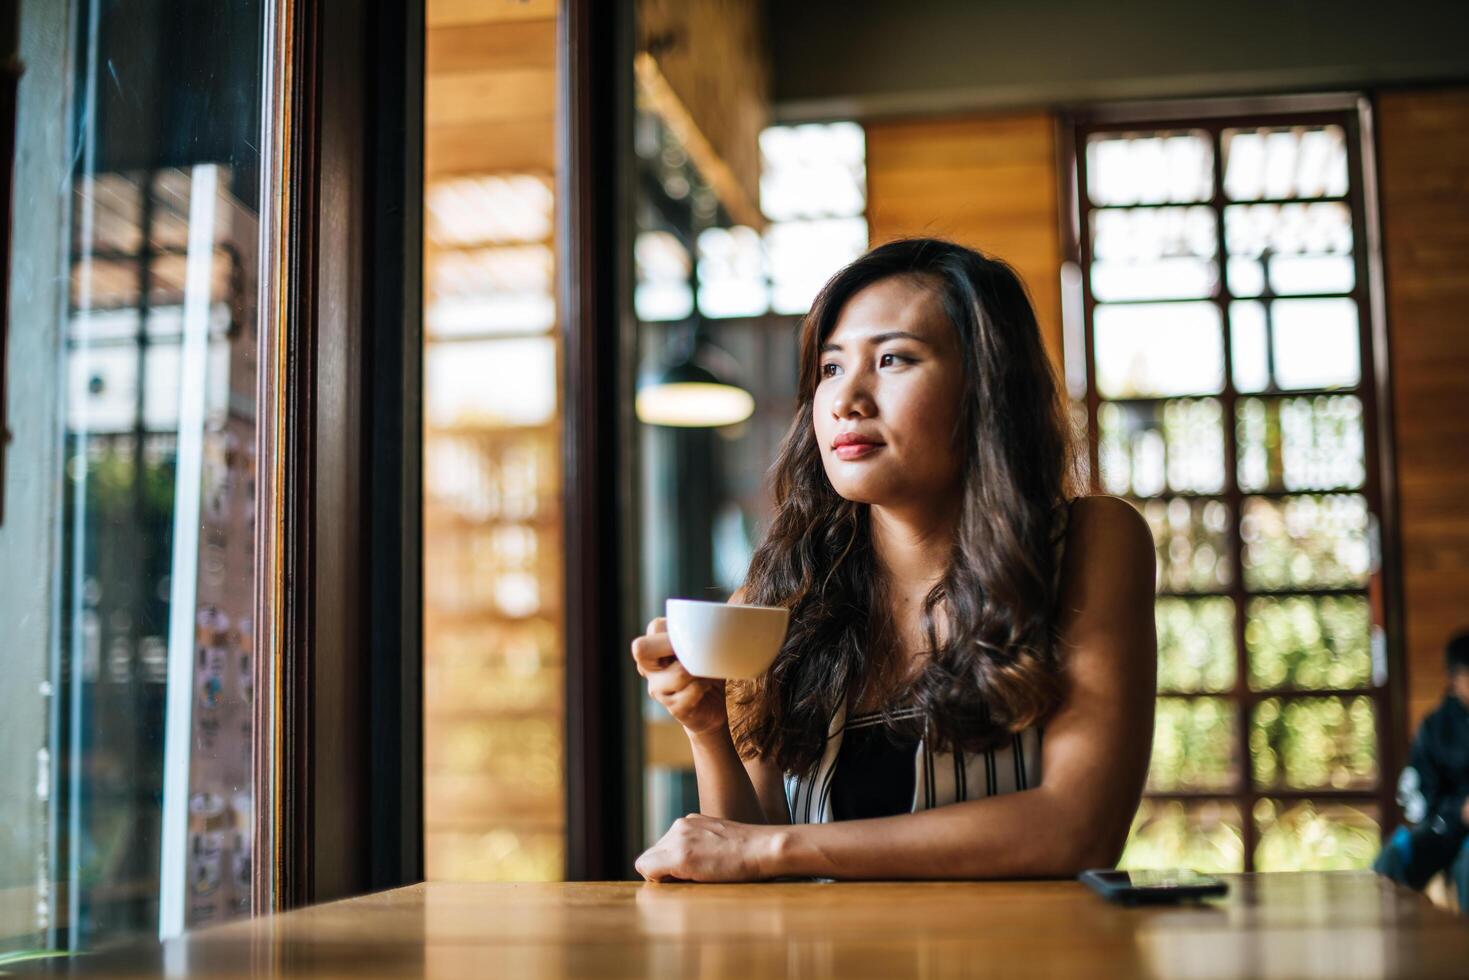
996	671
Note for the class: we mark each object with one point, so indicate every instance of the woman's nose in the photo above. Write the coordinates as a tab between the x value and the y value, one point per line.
852	396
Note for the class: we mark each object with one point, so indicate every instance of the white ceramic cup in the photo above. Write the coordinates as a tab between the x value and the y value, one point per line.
716	639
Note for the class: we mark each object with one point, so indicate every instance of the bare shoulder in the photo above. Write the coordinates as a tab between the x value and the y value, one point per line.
1110	524
1109	555
738	599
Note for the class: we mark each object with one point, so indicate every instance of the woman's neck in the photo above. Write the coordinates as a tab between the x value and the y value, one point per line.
913	545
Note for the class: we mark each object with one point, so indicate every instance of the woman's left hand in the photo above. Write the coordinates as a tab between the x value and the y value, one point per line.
700	848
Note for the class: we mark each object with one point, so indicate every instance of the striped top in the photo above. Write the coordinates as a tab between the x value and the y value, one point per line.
939	778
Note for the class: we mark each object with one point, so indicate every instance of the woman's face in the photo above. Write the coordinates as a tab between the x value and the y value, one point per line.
890	375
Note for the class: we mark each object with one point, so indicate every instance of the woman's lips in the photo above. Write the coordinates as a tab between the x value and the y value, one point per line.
857	450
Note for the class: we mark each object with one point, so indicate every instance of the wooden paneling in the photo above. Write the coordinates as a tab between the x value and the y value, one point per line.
988	182
1423	153
446	13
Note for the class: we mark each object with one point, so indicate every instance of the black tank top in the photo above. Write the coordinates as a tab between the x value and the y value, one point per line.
874	771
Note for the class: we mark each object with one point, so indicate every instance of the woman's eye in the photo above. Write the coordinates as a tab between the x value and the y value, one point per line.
895	357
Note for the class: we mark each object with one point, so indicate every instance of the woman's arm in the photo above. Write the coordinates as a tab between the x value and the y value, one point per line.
748	792
1095	755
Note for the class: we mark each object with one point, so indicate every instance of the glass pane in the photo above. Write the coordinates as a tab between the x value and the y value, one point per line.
818	170
1307	248
732	272
1301	443
486	291
804	254
1316	836
1299	161
1250	345
1304	542
128	583
1158	349
1314	743
523	392
1195	644
664	268
1309	642
1153	253
1154	169
1204	836
1191	539
1315	343
1150	448
493	546
1195	745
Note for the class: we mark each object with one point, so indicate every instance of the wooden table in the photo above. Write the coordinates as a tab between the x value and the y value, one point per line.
1334	924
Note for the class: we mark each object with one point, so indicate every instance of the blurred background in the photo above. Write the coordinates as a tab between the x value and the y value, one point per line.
1244	228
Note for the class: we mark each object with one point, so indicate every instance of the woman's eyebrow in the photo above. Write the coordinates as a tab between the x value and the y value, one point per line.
878	338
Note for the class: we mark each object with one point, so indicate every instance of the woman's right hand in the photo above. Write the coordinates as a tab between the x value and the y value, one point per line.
696	703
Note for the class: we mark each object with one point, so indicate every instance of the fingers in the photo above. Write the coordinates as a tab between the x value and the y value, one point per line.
652	652
657	625
670	681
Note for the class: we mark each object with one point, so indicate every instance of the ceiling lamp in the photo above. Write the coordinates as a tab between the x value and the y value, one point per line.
693	391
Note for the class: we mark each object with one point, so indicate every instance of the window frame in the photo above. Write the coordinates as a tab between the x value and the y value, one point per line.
1353	113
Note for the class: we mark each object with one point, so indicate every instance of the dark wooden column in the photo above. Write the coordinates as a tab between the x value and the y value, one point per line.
603	751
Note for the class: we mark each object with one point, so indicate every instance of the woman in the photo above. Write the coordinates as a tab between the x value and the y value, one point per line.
966	688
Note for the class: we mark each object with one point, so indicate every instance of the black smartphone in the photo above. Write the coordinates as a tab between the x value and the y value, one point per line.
1170	885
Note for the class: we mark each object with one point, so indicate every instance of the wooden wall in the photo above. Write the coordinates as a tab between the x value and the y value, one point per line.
1423	161
988	182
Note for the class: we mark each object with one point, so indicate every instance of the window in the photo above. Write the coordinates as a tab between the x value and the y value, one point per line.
1229	357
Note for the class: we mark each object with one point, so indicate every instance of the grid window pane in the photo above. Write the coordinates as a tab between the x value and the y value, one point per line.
1153	253
1149	349
1150	448
1306	248
1314	343
1314	743
1203	835
1195	644
1314	443
1282	162
1309	642
1191	538
1306	541
1312	836
1194	745
1155	169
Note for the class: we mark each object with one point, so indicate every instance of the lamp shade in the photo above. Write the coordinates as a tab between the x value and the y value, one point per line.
690	395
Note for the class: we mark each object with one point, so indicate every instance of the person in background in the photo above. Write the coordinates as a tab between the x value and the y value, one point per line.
1434	791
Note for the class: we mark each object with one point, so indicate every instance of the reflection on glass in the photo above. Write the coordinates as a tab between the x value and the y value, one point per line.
496	290
1195	644
1203	835
1316	836
1314	743
1158	349
1149	448
1313	443
1153	253
1194	745
1158	168
1309	642
493	674
1299	161
1305	541
1191	539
